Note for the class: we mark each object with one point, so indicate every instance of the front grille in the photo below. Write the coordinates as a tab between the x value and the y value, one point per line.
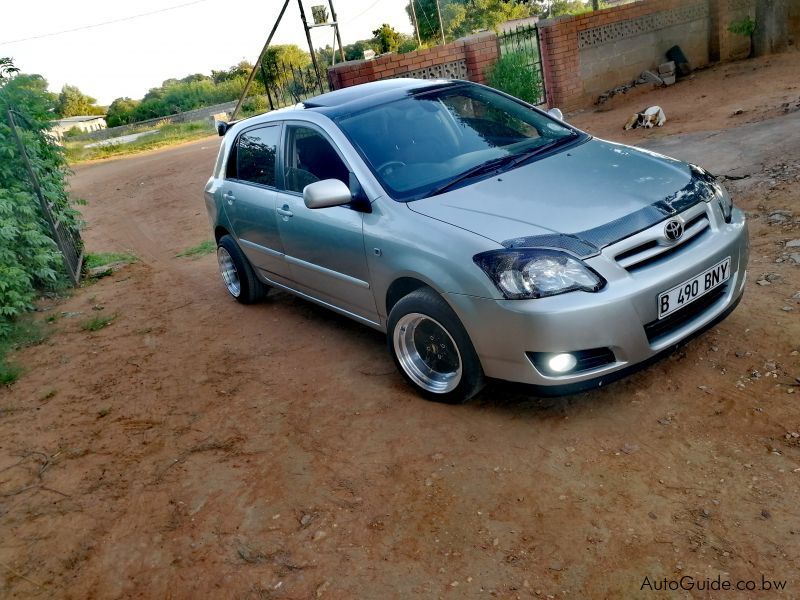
663	327
588	360
652	250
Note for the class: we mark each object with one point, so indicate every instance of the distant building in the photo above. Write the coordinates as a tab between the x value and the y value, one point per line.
84	124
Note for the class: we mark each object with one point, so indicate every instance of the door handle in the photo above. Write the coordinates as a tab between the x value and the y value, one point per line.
285	212
229	197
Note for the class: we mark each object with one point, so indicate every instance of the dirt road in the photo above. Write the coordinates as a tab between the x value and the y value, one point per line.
196	448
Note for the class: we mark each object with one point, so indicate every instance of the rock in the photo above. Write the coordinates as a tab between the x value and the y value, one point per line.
762	282
305	520
652	515
319	535
667	68
766	514
652	77
787	309
795	258
738	111
793	243
796	296
705	513
778	216
630	448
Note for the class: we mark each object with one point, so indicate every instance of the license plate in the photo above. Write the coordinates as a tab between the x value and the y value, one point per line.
691	289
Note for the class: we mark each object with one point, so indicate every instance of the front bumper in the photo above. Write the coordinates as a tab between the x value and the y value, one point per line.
619	317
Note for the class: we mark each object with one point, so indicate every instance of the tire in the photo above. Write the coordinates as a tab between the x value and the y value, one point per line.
237	274
452	377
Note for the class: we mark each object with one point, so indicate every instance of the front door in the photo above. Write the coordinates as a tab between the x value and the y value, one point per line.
324	247
249	196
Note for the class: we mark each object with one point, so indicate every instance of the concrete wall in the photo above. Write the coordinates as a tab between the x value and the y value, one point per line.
585	55
198	114
619	52
467	58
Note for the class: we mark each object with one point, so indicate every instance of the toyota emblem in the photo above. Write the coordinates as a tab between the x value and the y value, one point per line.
673	230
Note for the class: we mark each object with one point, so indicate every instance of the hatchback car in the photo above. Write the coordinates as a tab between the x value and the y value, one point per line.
486	237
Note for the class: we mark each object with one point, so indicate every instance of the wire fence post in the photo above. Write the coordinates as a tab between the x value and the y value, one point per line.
68	243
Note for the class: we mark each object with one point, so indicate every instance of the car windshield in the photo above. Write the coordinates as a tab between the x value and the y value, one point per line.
431	142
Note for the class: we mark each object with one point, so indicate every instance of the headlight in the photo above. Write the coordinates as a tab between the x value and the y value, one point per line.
724	201
532	273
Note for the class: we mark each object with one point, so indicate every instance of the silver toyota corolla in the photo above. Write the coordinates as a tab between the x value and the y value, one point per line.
485	237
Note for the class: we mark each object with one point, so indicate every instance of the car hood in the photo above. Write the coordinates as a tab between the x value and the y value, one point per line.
573	191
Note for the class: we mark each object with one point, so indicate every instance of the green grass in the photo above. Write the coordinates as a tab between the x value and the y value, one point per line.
23	333
9	373
201	249
100	259
98	323
168	135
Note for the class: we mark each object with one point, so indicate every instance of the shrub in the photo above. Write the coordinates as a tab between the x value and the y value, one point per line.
29	259
513	75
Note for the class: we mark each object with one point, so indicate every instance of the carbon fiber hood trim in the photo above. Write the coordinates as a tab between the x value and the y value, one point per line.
585	244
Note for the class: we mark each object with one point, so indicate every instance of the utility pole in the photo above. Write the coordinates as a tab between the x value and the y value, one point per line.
258	62
310	45
336	28
441	26
416	25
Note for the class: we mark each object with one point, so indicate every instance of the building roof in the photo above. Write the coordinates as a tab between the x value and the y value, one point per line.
80	119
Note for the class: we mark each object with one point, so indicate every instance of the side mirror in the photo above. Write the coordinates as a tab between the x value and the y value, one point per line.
326	193
555	112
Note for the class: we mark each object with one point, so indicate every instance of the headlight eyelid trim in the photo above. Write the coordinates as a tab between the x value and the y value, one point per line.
489	261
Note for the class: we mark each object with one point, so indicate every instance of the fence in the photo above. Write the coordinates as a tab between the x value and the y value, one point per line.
287	84
68	239
524	40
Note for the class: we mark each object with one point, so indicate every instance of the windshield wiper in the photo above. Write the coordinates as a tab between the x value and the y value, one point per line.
485	167
501	163
525	156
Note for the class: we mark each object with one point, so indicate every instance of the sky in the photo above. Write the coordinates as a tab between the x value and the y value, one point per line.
127	58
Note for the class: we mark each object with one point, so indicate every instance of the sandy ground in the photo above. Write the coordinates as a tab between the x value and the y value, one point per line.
196	448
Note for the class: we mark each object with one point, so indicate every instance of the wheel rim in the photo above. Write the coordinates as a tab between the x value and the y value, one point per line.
229	273
427	353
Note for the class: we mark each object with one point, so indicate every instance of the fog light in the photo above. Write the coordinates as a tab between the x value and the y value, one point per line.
561	363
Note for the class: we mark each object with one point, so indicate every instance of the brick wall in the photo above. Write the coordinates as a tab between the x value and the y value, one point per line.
585	55
467	58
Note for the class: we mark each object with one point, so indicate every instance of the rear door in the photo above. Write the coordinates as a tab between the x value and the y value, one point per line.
249	196
324	246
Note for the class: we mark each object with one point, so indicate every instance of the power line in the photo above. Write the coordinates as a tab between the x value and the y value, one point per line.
363	12
94	25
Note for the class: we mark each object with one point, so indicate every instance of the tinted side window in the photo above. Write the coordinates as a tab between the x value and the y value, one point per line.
255	155
311	158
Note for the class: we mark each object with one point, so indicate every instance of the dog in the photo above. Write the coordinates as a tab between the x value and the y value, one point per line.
650	117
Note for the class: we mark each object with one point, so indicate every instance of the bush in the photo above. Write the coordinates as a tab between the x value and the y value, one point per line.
513	75
255	105
29	259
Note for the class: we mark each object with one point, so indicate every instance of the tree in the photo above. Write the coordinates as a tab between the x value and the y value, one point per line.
355	51
279	60
121	112
7	68
29	259
72	103
771	33
387	39
241	70
463	17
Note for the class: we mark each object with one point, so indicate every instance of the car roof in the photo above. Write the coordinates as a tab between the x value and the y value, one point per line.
352	99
